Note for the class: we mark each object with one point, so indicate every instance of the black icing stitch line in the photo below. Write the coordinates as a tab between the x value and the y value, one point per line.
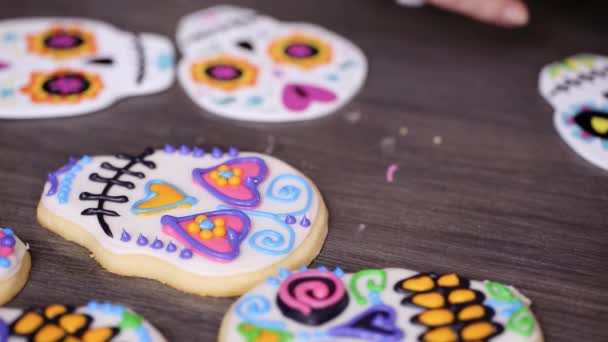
580	79
100	211
141	62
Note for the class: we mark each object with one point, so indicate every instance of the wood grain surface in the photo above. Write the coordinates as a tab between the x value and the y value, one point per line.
502	197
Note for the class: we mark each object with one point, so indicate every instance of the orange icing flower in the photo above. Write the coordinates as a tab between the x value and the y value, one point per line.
225	72
63	86
301	50
61	42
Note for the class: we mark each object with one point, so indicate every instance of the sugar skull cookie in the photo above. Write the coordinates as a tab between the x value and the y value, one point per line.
15	264
67	66
577	88
247	66
386	305
209	222
95	322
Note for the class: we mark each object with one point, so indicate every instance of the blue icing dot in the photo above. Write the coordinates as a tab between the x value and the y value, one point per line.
226	174
255	100
4	262
8	231
273	281
332	77
165	61
206	224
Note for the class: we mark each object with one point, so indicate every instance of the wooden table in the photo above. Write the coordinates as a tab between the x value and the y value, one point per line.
502	197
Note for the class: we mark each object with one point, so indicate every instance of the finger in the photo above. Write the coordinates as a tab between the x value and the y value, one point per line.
499	12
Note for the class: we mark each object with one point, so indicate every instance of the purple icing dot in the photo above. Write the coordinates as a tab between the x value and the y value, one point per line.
157	244
300	50
171	247
185	254
4	65
184	150
233	151
62	41
224	72
198	152
290	219
142	240
216	152
125	236
305	222
67	84
7	241
169	148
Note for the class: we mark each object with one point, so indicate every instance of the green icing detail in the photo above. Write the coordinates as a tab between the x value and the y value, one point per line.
252	333
130	320
371	284
500	292
522	322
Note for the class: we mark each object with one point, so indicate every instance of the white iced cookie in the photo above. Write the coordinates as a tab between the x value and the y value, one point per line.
95	322
577	88
15	264
386	305
69	66
247	66
207	222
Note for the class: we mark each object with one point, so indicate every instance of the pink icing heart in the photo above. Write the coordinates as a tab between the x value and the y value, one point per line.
4	65
297	97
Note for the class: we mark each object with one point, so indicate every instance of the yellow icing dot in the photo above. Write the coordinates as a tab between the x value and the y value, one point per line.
419	284
193	228
431	300
28	323
223	168
237	171
221	181
72	322
97	334
218	222
206	234
436	317
460	296
449	280
234	180
49	332
471	312
445	334
54	310
219	231
200	218
600	124
214	175
477	331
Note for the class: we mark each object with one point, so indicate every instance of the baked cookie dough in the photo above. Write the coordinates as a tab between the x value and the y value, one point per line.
379	305
15	264
95	322
208	222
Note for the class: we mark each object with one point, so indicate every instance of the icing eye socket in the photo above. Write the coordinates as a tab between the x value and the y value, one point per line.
593	122
225	72
65	86
61	42
300	50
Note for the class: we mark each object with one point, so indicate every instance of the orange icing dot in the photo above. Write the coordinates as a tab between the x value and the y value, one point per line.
193	228
234	180
219	231
28	323
477	331
72	322
436	317
431	300
445	334
206	234
97	334
448	280
219	222
471	312
419	284
237	171
54	310
460	296
49	332
200	218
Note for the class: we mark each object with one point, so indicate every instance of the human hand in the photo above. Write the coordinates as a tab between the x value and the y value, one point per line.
508	13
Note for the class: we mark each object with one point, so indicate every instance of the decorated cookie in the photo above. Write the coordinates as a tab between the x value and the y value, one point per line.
15	264
96	322
247	66
67	66
577	88
207	222
386	305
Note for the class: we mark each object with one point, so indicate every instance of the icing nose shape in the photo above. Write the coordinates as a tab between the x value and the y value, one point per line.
297	97
156	63
4	65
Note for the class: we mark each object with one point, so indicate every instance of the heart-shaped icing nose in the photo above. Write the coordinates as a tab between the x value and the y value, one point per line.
4	65
297	97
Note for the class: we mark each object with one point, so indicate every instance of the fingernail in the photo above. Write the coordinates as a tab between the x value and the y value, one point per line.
515	15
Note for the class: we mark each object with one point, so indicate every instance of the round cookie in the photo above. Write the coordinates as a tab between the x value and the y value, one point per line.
100	322
245	65
379	305
206	222
15	264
